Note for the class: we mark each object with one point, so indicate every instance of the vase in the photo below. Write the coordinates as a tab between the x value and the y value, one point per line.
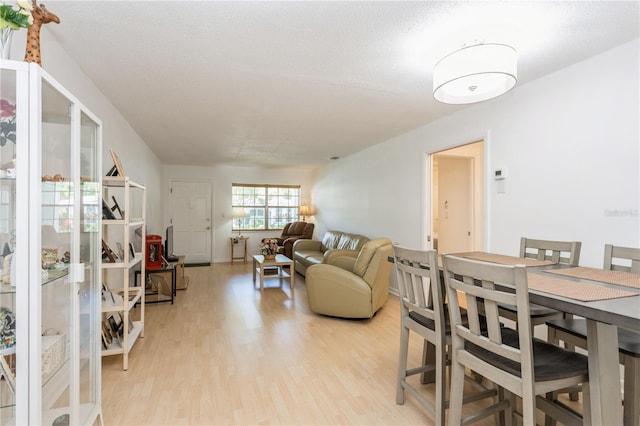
269	257
5	42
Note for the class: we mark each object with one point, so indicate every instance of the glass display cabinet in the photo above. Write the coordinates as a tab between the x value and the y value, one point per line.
50	233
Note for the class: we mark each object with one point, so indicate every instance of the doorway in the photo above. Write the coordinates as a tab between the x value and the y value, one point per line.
190	207
457	197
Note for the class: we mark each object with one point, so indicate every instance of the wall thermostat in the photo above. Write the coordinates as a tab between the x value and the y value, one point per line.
500	174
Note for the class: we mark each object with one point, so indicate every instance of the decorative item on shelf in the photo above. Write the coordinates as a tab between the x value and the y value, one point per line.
108	255
6	268
269	248
117	169
107	213
10	20
7	329
7	346
55	178
49	257
116	206
53	349
7	121
40	16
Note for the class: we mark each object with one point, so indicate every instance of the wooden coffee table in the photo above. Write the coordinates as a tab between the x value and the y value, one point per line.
272	269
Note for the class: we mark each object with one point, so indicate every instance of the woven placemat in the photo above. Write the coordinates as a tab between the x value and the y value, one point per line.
574	290
503	259
626	279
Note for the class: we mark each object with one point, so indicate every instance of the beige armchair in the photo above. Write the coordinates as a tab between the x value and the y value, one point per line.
351	287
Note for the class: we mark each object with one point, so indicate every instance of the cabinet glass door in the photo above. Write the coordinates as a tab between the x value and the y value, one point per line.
89	211
9	121
59	225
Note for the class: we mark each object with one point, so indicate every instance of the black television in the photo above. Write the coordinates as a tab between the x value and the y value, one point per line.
168	246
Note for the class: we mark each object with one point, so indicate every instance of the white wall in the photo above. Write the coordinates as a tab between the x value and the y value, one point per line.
570	141
138	161
222	177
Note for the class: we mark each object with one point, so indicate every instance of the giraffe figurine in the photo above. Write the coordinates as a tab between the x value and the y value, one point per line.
40	16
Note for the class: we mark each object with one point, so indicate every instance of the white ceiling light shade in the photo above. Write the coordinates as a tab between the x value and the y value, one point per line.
475	73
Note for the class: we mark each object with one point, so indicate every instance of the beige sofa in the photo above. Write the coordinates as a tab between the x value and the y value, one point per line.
334	244
352	287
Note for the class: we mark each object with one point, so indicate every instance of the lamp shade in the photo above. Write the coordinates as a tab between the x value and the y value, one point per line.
239	212
305	210
475	73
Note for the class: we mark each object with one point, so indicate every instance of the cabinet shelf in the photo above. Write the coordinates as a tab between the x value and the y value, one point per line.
123	264
55	274
134	296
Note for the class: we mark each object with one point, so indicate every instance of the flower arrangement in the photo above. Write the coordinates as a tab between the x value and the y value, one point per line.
16	18
269	246
7	122
12	19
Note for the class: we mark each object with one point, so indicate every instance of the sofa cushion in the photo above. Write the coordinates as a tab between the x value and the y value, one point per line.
351	242
311	256
330	240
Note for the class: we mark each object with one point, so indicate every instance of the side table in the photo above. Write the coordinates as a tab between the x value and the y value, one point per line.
167	270
239	241
182	281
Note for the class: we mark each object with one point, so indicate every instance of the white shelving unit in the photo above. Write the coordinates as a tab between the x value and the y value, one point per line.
133	195
50	161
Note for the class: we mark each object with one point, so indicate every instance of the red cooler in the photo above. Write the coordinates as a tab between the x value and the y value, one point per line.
154	251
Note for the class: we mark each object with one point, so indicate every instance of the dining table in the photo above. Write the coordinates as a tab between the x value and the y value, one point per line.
607	299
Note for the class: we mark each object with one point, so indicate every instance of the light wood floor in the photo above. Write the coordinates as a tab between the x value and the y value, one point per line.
226	354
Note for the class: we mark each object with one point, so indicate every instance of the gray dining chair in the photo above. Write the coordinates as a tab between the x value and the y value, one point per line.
423	312
513	359
574	331
566	252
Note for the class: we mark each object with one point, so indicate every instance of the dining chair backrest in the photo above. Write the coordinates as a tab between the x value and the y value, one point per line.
421	312
476	282
567	252
419	284
629	255
503	355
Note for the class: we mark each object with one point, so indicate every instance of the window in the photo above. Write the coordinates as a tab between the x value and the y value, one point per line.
264	207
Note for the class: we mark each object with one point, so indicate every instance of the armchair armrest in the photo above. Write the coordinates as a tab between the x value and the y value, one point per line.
330	255
287	245
307	245
345	262
291	240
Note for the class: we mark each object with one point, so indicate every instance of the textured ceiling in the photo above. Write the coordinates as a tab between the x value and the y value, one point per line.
294	83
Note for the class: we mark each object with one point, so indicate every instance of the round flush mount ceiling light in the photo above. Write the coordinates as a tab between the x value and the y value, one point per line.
475	73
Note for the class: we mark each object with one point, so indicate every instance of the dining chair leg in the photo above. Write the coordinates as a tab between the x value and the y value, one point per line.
528	406
631	391
456	393
441	385
402	364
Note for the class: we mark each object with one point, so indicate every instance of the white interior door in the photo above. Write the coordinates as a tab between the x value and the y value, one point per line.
457	198
455	206
191	219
